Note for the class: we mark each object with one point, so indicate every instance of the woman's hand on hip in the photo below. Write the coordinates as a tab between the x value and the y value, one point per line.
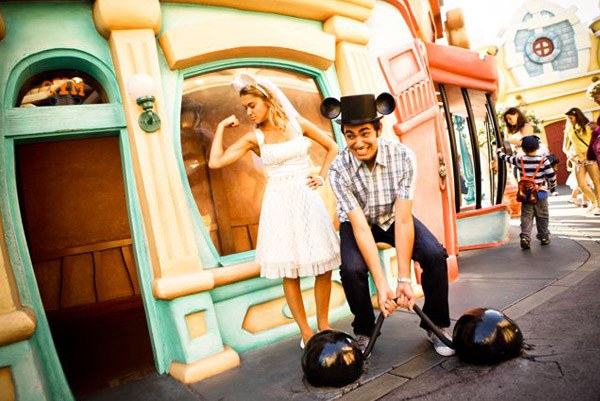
315	181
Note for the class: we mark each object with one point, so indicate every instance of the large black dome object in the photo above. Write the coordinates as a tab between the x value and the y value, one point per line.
486	336
332	359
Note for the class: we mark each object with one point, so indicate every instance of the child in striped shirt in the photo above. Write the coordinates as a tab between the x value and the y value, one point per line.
545	174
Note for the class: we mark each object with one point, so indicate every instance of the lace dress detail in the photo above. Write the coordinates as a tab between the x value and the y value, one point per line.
295	234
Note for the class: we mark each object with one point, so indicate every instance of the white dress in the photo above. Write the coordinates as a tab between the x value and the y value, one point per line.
295	234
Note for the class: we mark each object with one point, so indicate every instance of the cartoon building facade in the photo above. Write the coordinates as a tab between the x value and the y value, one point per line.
547	60
121	252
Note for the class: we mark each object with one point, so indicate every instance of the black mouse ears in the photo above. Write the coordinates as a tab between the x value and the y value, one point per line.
332	107
385	103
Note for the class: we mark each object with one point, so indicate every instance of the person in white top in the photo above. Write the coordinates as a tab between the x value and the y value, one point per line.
517	127
296	237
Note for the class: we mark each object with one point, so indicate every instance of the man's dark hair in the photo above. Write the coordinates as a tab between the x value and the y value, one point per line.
376	125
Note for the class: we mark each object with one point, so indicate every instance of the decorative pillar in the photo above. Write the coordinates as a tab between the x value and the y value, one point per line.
455	29
18	322
594	26
356	67
180	283
19	373
131	27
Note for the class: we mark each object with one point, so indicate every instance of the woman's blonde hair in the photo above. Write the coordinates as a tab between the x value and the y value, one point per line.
275	114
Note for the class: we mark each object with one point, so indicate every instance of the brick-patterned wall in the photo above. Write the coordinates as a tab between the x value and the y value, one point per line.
568	57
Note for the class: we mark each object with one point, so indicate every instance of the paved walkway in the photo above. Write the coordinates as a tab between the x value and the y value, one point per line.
560	322
552	293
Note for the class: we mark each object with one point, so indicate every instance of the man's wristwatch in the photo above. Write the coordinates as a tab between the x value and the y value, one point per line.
404	280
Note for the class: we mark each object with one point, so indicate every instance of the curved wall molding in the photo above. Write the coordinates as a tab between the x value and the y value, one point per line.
284	39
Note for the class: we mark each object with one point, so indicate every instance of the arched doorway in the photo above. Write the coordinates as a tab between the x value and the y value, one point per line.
555	134
71	194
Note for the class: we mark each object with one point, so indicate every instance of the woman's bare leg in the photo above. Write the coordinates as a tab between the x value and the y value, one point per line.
594	173
293	296
580	174
322	297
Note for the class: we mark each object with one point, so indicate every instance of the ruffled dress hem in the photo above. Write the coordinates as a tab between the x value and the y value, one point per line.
293	270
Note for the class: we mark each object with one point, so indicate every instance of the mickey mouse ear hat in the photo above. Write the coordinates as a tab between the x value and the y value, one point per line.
358	109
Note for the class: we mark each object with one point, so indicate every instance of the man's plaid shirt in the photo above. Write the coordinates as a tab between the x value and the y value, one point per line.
374	191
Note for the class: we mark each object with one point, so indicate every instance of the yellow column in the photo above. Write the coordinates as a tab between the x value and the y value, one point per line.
594	51
130	26
17	322
357	68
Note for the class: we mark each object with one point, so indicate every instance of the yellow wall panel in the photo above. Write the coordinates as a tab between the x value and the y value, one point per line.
196	324
270	314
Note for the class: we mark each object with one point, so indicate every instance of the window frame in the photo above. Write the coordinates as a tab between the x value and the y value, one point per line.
326	82
497	186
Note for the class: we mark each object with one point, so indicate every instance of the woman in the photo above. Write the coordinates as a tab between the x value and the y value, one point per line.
593	153
295	234
575	146
517	127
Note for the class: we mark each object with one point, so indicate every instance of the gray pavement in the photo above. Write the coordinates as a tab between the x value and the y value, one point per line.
552	292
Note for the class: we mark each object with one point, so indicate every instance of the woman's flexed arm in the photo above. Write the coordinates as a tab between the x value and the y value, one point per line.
221	158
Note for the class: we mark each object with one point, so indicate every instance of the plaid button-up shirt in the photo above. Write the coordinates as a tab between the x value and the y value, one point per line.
373	191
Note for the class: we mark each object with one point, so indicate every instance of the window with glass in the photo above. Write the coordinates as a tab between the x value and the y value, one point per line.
61	88
474	136
229	199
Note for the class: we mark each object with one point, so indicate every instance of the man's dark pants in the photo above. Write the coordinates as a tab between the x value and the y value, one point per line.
427	250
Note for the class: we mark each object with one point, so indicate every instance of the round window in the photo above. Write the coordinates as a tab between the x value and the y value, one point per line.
543	47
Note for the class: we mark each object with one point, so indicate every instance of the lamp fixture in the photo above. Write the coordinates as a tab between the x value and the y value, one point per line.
142	88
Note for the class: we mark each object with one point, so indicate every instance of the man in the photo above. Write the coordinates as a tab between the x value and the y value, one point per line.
373	181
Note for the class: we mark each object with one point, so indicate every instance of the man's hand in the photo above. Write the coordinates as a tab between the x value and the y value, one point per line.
386	301
405	297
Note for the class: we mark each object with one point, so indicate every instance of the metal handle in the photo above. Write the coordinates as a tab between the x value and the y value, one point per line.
374	336
432	326
422	315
